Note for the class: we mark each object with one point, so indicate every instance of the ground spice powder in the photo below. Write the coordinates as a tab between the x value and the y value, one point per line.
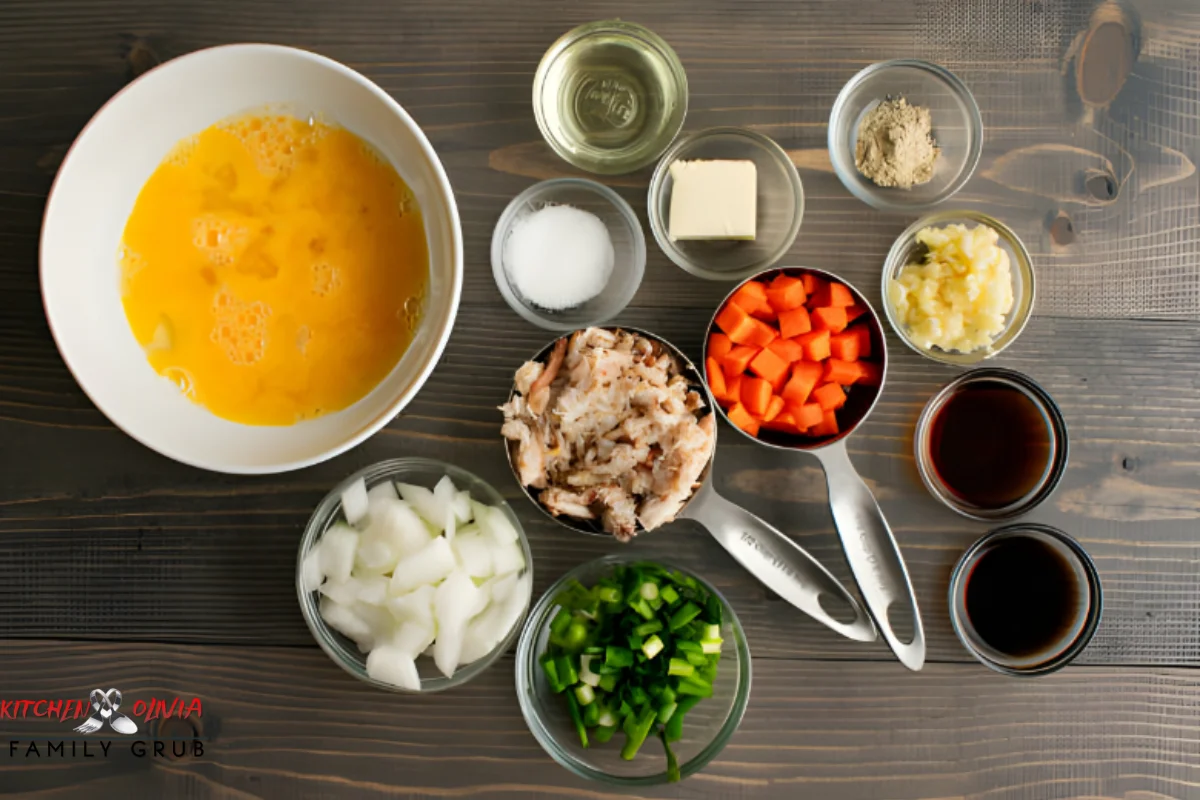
895	145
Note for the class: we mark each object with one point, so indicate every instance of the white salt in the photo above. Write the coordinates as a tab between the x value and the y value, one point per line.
559	257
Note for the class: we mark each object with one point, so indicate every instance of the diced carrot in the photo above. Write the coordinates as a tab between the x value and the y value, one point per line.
806	415
731	318
751	297
870	373
840	372
829	318
786	349
812	284
760	335
740	417
805	377
815	344
844	346
794	322
832	294
733	389
828	426
854	312
783	422
756	395
769	366
718	345
863	334
737	360
716	378
829	395
774	408
786	293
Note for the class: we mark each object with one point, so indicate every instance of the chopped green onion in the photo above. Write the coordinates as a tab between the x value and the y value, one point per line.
618	657
653	646
559	624
585	671
608	594
567	673
634	741
647	628
575	636
577	718
683	616
678	666
604	643
698	689
642	607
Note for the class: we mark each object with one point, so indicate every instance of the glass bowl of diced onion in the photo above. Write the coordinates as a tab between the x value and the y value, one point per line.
414	575
706	728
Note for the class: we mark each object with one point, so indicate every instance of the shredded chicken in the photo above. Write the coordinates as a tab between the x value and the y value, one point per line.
608	430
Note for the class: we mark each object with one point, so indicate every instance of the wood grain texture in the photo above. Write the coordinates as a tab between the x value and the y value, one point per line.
194	550
464	70
285	722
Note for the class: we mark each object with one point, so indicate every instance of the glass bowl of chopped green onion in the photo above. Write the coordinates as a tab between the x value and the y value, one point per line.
631	672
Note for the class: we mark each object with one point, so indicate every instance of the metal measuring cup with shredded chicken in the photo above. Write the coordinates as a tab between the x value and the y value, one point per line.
609	429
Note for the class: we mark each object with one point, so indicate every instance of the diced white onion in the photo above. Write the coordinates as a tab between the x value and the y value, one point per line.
354	502
433	574
423	501
337	552
389	664
507	558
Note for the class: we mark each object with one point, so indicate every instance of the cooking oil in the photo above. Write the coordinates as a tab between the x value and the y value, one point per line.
610	96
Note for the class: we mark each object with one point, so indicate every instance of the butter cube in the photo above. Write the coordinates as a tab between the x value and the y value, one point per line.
713	200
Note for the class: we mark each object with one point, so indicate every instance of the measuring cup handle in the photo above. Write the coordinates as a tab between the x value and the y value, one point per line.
872	553
781	564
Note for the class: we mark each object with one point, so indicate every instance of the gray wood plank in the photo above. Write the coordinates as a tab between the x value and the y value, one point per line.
464	70
280	722
191	551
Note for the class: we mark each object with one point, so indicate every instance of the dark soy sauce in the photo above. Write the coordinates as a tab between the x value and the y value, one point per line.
1022	596
990	444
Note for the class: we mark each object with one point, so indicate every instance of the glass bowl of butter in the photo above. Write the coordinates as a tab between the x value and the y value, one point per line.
725	203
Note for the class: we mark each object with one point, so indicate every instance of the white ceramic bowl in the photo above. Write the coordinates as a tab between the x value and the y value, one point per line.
94	194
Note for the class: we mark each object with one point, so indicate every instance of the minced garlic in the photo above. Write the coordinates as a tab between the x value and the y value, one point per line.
957	298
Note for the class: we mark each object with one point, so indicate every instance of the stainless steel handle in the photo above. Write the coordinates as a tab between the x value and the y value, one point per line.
782	565
872	552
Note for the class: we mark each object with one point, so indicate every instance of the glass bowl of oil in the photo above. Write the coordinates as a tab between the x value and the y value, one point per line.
610	96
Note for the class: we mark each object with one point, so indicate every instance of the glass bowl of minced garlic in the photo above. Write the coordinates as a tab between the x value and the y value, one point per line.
958	286
904	135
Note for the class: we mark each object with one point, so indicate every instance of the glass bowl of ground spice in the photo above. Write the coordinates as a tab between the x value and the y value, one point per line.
568	253
904	135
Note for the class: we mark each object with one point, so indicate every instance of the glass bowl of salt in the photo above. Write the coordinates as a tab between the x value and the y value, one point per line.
568	253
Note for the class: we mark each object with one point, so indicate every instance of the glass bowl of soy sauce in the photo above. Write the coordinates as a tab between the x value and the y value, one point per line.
1025	599
991	444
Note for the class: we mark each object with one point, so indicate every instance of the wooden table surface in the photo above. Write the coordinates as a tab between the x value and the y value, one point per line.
119	567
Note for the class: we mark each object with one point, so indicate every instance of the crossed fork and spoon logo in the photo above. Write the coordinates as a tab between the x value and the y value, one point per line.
104	707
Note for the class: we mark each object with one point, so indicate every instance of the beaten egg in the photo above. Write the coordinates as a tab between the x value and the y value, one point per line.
274	268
